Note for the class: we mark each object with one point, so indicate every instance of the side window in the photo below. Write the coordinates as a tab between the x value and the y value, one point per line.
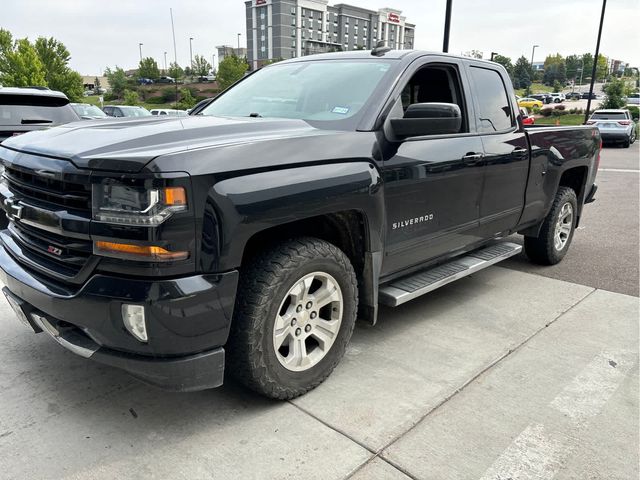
117	112
108	110
494	114
438	83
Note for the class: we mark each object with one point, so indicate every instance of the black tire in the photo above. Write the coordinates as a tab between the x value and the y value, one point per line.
627	143
251	354
542	249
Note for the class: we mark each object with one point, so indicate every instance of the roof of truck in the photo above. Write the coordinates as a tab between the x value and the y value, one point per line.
39	92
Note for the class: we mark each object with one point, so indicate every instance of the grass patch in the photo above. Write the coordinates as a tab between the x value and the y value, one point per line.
570	119
535	88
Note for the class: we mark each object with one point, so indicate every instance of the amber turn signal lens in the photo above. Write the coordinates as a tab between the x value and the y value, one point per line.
175	197
144	252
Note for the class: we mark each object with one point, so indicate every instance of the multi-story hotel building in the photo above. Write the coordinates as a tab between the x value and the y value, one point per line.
281	29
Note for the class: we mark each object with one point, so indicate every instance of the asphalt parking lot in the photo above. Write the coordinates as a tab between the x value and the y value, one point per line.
514	372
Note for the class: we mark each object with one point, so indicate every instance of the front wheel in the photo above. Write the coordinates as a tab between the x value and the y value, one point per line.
295	313
555	236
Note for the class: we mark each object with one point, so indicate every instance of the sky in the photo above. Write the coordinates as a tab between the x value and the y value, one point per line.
105	34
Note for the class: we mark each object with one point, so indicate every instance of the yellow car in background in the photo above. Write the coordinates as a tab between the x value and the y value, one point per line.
529	103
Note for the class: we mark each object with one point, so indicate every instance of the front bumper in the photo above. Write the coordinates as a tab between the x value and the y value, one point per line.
188	321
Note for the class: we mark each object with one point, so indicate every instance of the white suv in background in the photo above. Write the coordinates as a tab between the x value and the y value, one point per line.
615	126
558	97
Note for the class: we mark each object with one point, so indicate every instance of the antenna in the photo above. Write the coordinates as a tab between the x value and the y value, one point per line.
380	49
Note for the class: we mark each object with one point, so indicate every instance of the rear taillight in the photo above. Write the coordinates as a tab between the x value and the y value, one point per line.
624	122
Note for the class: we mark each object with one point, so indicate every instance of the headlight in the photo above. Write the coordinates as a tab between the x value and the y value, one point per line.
133	205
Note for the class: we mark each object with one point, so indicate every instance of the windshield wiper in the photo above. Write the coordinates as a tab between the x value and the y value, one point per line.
255	115
30	121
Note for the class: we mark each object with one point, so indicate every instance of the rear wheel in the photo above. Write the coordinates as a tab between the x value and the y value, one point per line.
551	245
295	313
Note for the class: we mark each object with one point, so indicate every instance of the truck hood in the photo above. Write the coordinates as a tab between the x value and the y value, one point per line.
128	145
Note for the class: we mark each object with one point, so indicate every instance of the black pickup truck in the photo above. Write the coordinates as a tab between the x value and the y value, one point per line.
250	237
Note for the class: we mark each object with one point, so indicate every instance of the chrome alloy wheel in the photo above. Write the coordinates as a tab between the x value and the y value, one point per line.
308	321
563	227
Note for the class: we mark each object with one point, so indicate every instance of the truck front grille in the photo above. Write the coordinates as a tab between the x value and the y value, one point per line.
59	193
63	255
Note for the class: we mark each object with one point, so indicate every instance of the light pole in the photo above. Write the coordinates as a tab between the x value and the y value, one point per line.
191	52
493	54
140	47
165	63
239	44
533	51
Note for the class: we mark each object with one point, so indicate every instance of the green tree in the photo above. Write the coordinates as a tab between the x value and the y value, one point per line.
554	69
230	70
602	67
187	100
572	63
131	97
148	68
96	86
117	80
587	60
521	73
55	59
614	94
505	62
175	71
200	66
20	65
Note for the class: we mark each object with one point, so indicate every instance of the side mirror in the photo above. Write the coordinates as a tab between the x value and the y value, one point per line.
428	119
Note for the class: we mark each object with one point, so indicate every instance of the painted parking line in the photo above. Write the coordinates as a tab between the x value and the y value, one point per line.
619	170
538	453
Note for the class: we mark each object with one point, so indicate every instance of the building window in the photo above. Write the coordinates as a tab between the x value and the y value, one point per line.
262	38
346	29
293	20
262	16
356	22
303	12
302	33
293	43
293	10
262	49
262	27
293	32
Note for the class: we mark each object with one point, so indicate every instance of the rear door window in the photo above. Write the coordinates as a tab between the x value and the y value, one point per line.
494	112
34	110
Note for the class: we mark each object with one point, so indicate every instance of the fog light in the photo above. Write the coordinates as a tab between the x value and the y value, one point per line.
133	318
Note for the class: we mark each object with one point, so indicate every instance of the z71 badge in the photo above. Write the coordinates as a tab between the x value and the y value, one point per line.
412	221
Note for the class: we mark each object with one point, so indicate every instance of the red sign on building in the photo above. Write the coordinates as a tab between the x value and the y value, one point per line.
393	18
261	2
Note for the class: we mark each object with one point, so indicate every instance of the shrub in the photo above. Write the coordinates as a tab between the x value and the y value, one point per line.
168	95
546	112
635	111
131	97
109	97
155	100
558	113
559	106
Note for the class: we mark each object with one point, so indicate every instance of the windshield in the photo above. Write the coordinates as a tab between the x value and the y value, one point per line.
85	110
322	91
135	112
609	116
32	109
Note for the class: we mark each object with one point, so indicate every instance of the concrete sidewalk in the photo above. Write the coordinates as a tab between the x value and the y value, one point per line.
500	374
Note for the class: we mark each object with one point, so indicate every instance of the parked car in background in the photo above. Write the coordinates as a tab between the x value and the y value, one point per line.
145	81
527	118
207	78
557	97
165	79
615	126
585	95
543	97
633	99
573	96
87	111
529	102
126	111
169	111
25	109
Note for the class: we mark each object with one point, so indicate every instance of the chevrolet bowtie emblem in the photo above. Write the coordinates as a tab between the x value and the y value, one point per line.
13	209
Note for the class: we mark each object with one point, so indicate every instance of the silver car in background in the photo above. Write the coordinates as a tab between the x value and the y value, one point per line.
615	126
